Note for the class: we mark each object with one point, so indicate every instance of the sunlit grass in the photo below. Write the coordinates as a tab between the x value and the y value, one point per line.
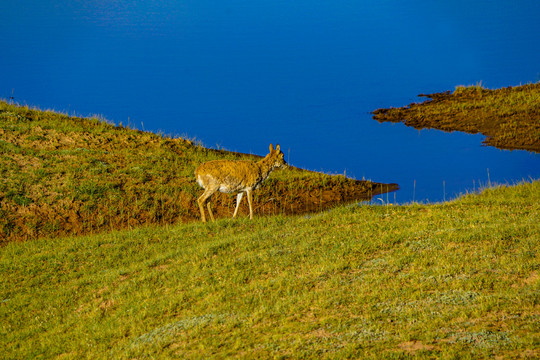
454	280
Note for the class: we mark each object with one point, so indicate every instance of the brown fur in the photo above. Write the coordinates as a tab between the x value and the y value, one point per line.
239	176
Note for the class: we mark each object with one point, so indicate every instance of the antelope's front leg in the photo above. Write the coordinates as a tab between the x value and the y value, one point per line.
238	200
249	201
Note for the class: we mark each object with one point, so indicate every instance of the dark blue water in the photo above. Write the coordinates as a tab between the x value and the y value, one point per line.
241	74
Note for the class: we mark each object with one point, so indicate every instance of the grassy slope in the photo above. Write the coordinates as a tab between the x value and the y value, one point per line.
454	280
64	175
509	117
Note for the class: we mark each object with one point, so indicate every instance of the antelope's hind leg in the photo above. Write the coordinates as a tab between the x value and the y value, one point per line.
210	210
203	199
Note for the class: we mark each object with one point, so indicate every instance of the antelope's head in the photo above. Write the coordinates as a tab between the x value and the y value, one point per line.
277	158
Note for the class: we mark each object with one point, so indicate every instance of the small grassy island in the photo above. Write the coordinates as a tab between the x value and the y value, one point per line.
509	117
100	258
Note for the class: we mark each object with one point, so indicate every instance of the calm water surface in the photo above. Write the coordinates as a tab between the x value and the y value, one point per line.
241	74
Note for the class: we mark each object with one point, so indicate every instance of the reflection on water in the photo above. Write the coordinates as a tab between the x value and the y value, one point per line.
240	75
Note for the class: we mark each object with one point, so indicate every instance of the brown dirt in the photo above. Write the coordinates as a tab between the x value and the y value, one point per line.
508	117
413	346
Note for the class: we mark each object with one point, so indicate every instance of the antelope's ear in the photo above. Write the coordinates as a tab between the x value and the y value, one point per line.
277	147
271	147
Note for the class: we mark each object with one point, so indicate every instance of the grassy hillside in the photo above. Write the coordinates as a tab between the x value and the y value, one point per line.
64	175
454	280
509	117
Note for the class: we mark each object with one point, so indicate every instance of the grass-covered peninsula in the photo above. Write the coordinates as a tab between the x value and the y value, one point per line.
509	117
63	175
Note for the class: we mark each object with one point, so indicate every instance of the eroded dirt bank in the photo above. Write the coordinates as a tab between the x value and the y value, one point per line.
305	196
508	117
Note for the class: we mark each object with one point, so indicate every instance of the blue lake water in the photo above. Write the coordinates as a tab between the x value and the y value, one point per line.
240	74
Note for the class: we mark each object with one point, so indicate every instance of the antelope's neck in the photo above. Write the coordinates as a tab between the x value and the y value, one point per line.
266	166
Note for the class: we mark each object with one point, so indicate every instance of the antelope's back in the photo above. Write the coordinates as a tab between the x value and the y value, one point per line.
231	175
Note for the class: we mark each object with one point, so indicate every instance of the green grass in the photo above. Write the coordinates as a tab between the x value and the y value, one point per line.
454	280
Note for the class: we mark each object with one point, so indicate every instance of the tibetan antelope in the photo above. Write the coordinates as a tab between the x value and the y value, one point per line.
240	176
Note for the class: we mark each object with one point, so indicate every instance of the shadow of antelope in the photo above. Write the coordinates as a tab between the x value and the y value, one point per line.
235	176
